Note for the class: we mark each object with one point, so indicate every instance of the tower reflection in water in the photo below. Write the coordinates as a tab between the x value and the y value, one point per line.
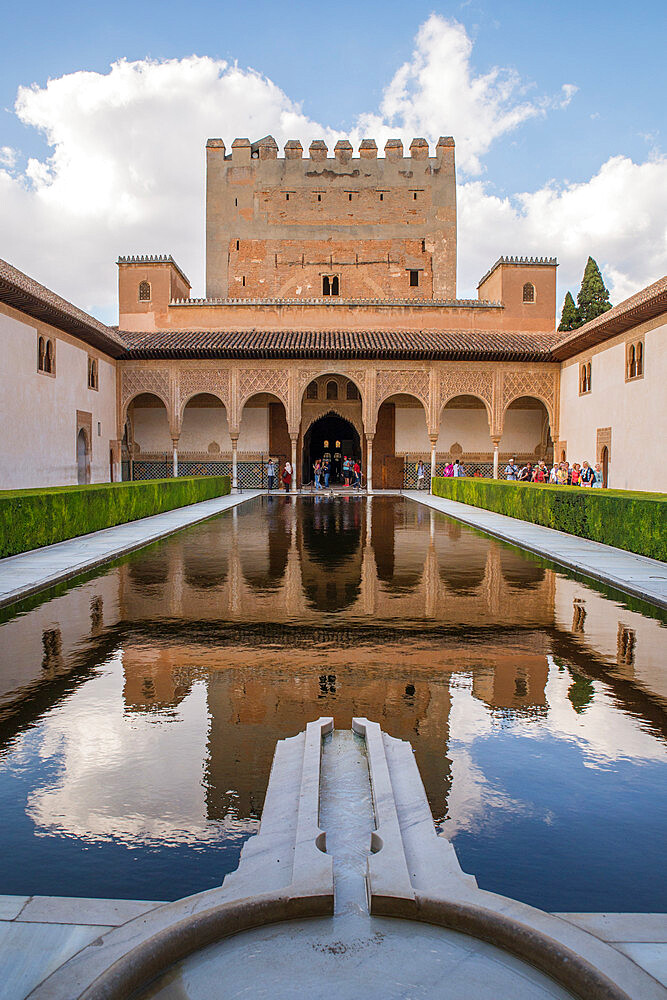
142	708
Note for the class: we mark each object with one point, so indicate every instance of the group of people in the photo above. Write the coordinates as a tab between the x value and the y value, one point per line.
560	474
351	472
273	472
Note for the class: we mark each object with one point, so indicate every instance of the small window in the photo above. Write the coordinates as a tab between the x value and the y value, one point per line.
41	352
236	202
311	391
92	374
349	197
287	196
352	391
381	197
414	279
243	280
144	291
332	390
585	380
49	358
423	246
319	197
238	244
330	284
414	196
635	360
529	292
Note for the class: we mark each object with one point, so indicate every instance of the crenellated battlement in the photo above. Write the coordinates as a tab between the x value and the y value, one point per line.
243	150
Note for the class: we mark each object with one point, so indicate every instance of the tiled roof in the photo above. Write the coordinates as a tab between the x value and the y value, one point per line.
644	305
408	344
28	296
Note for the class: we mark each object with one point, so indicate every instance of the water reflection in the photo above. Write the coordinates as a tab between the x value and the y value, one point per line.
140	709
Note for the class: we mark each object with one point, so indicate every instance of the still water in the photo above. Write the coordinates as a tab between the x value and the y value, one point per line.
139	708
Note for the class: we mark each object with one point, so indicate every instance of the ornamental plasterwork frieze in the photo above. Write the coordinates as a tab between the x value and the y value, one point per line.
254	380
192	381
390	382
137	380
541	385
467	383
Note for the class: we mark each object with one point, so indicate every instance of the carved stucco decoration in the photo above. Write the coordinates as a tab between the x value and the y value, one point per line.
137	380
192	381
254	380
328	409
414	383
467	383
541	385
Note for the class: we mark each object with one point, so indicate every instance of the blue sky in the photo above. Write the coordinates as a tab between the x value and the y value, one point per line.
336	62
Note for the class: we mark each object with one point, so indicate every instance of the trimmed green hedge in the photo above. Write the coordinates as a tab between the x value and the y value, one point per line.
628	520
30	519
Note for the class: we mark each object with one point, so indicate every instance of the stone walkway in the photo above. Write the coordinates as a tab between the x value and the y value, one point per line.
633	574
38	569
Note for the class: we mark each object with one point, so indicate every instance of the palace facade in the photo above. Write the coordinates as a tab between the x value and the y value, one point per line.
330	323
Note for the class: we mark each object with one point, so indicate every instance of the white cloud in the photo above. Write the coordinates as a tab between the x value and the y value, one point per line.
618	217
438	90
125	168
7	156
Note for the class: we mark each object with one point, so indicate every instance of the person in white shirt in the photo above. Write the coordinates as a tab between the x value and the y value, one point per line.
511	470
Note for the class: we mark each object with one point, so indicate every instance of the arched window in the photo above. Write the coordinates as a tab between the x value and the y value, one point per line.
332	390
640	358
529	292
41	349
585	372
311	391
49	361
144	291
92	373
632	362
330	284
352	391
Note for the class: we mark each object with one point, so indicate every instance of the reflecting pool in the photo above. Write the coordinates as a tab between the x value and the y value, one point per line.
140	707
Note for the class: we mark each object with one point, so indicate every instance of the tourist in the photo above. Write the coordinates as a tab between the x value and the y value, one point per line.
575	476
356	469
326	470
477	474
587	475
599	479
287	476
540	474
553	475
420	475
317	469
271	473
563	474
449	470
458	469
526	473
346	470
511	470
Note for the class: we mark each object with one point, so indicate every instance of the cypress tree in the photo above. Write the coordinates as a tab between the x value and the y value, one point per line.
569	319
593	297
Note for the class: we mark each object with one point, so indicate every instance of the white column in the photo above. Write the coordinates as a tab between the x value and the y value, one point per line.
496	442
434	441
174	442
369	463
293	439
235	442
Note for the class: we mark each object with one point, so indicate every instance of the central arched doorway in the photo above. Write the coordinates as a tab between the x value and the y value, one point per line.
330	434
